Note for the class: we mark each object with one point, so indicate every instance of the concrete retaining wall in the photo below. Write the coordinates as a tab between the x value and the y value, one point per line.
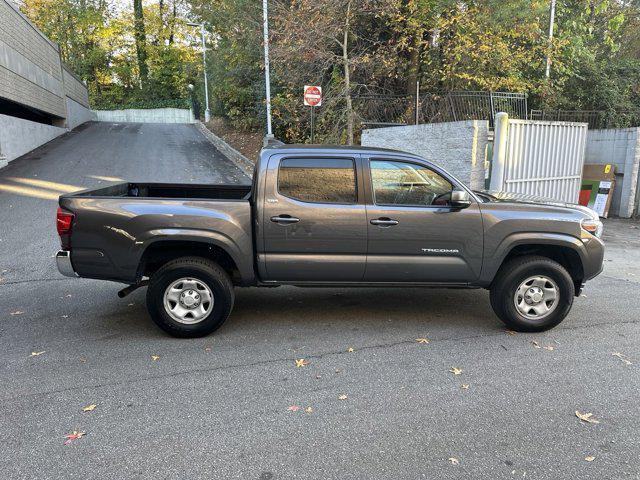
18	136
620	147
227	150
151	115
78	114
459	147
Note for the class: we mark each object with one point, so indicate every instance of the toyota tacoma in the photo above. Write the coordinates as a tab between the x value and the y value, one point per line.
329	216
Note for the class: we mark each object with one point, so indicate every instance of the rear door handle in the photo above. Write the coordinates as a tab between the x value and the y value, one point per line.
284	219
384	222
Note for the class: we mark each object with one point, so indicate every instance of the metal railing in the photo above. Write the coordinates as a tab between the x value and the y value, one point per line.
388	110
597	119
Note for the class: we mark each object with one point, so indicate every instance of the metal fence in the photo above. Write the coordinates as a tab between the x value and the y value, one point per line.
387	110
597	119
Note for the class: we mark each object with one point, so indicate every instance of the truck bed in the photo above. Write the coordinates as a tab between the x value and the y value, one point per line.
170	190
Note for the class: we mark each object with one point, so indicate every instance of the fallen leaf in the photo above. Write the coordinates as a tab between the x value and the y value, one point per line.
342	397
626	361
586	417
90	408
293	408
131	304
73	436
37	354
308	410
16	312
454	461
65	316
422	340
465	386
456	371
155	357
350	350
510	332
301	363
535	344
589	458
548	347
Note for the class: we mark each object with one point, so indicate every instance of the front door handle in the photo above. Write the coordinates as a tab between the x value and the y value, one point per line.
285	219
384	222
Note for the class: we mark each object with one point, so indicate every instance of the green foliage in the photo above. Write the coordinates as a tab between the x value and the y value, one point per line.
106	104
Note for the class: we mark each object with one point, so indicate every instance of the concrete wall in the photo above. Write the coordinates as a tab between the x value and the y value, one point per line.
78	114
18	136
459	147
620	147
152	115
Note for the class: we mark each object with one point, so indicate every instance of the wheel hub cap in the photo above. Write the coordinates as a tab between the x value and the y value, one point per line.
536	297
188	300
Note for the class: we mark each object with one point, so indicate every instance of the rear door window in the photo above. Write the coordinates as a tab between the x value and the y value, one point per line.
318	180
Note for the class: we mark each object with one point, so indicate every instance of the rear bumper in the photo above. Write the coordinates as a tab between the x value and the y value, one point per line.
63	262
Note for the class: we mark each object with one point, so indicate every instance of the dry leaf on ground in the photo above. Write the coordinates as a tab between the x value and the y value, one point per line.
586	417
16	312
73	436
454	461
510	332
456	371
342	397
535	344
422	340
301	362
465	386
155	357
623	358
37	354
548	347
90	408
589	458
308	410
293	408
350	350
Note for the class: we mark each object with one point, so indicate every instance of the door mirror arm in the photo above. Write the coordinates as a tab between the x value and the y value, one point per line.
460	198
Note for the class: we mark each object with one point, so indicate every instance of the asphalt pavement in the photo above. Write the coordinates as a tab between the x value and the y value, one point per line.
371	403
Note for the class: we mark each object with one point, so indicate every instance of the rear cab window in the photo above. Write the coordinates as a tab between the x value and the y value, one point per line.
318	180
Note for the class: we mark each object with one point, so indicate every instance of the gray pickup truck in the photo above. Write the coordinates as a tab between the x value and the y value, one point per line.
329	216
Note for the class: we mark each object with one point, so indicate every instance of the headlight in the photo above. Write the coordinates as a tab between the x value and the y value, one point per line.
592	226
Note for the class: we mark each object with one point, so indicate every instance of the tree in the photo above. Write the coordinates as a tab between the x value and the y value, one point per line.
141	40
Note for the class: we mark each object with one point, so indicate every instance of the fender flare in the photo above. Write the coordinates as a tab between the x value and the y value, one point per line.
490	268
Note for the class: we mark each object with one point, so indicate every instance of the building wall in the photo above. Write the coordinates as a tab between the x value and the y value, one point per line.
619	147
459	147
78	114
30	68
74	88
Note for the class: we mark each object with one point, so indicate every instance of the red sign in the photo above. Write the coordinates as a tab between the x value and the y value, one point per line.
312	96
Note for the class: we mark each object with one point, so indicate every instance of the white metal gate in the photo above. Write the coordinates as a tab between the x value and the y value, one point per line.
541	158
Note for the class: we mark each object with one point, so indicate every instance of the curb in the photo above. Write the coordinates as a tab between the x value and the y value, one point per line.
242	162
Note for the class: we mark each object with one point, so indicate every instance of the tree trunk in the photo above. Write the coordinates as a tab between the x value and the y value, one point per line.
347	75
141	40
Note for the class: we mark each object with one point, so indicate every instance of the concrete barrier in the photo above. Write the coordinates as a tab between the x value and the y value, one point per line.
18	137
459	147
150	115
78	114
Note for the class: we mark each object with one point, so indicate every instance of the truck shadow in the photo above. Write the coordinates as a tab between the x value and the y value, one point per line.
361	309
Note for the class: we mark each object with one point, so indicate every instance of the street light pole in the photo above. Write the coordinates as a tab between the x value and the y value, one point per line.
265	32
552	15
207	112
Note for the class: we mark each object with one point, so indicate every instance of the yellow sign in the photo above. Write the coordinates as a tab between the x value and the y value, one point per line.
607	168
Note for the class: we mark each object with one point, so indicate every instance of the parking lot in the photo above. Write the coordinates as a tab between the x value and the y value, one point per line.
396	383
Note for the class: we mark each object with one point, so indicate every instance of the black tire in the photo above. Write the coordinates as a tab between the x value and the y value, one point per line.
203	270
513	274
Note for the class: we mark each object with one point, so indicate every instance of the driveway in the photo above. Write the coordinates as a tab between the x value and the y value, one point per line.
372	402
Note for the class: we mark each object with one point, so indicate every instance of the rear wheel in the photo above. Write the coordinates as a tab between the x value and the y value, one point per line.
190	297
532	293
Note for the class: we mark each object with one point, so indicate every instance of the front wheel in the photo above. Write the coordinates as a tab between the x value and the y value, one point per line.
532	293
190	297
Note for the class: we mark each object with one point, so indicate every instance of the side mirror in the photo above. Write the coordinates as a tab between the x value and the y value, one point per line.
460	199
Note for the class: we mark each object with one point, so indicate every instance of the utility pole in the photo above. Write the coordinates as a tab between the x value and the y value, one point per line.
265	32
551	20
207	112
